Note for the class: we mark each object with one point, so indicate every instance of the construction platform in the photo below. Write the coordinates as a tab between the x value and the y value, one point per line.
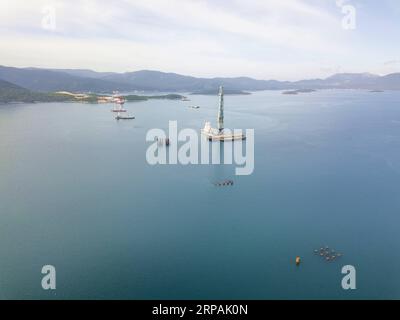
215	135
219	134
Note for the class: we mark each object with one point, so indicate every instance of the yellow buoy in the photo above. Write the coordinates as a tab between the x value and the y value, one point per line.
298	260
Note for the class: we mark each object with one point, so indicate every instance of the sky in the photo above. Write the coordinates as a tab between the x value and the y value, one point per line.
263	39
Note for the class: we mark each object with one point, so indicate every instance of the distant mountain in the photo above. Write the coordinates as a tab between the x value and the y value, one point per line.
43	80
10	92
81	80
5	85
84	73
352	80
388	82
149	80
156	81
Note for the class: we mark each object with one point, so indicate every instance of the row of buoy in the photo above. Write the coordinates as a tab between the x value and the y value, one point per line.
324	252
327	253
224	183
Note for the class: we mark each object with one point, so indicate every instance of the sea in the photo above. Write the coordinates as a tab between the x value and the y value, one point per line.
78	193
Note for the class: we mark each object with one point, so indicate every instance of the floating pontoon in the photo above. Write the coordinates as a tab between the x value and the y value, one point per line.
120	117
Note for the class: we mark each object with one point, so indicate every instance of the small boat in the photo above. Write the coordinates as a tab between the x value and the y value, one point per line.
298	261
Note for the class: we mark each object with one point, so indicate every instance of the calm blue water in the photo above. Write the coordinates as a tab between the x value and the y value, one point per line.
76	192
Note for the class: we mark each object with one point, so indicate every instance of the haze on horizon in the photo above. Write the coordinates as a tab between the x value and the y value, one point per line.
263	39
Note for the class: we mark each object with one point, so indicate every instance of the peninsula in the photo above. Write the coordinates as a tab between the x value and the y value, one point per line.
11	93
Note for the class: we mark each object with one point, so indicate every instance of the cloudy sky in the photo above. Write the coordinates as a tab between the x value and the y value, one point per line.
265	39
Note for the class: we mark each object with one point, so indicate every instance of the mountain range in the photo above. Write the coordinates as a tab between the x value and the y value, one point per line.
10	92
81	80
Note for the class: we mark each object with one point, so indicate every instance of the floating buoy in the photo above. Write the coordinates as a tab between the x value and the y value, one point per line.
328	254
298	260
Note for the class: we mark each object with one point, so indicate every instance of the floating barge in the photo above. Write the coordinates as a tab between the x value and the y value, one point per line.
119	117
214	135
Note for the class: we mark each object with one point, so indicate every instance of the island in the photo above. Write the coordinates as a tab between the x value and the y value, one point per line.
294	92
101	98
11	93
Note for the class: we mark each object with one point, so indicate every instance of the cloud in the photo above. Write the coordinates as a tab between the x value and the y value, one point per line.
391	62
266	21
262	38
290	24
121	55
